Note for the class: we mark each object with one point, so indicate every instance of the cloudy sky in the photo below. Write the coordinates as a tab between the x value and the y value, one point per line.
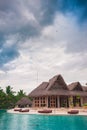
40	39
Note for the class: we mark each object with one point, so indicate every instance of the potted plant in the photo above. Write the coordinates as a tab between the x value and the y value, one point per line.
85	105
78	100
71	102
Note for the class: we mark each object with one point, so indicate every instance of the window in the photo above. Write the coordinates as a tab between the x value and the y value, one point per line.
36	102
43	101
53	101
40	101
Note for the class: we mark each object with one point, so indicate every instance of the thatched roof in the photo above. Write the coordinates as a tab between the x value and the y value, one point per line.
43	86
76	86
57	86
24	101
84	88
57	82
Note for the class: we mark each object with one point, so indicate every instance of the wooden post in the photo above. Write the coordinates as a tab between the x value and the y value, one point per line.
47	101
58	101
81	100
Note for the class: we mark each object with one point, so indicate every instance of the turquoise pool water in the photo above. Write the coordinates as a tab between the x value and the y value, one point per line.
41	122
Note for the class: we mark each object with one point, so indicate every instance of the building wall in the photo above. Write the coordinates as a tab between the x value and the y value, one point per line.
84	100
47	101
56	101
40	101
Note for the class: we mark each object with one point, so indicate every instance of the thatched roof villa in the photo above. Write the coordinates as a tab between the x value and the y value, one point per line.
56	93
24	102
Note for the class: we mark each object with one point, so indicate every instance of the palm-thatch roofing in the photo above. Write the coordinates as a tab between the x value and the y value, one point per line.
57	82
75	86
57	86
84	88
24	101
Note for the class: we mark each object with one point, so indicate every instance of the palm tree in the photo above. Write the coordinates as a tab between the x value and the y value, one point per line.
9	90
20	94
10	97
2	99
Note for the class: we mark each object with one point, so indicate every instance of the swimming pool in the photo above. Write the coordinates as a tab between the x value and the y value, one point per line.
10	121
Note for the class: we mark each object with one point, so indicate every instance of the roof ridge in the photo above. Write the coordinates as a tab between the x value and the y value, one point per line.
73	85
55	78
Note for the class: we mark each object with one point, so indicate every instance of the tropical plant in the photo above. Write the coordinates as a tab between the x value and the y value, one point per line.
71	101
85	104
8	98
9	90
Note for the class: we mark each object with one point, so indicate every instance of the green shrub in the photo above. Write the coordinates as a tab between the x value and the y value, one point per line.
85	104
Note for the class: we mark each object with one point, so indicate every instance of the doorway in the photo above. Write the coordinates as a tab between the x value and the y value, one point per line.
64	101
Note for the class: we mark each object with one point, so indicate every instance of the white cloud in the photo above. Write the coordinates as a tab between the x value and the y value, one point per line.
47	55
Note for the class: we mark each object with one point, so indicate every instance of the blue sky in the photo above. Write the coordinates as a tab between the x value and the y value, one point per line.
42	38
